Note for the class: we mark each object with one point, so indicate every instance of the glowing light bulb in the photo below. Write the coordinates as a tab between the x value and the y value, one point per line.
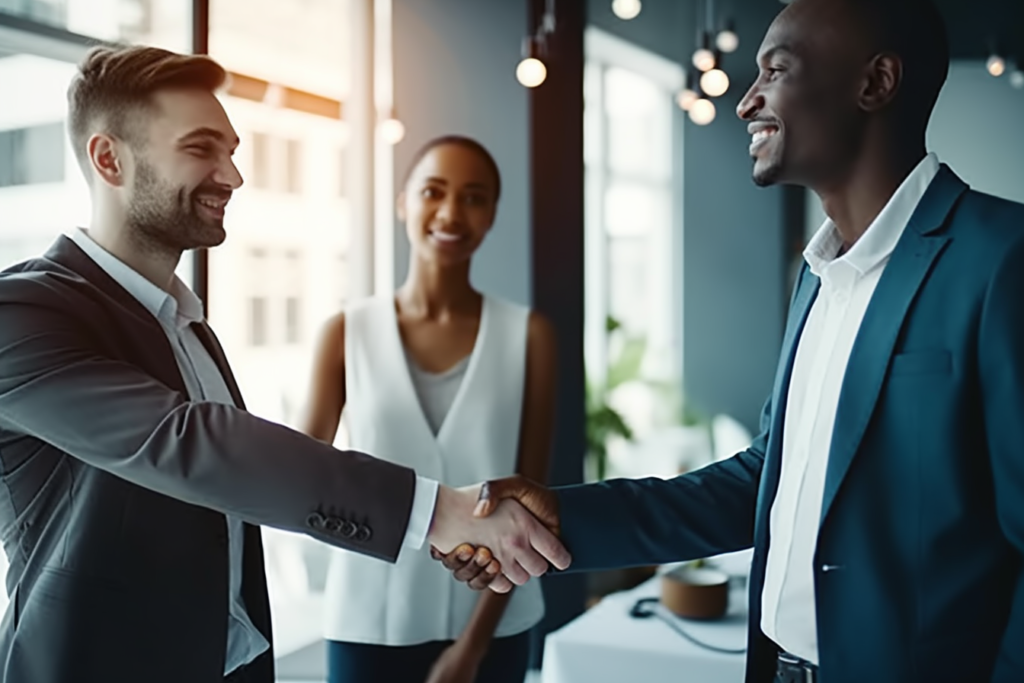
531	72
686	98
1017	79
704	59
996	65
702	112
626	9
714	83
391	131
727	41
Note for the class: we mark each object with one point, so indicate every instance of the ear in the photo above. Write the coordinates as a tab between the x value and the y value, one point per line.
400	206
106	160
883	77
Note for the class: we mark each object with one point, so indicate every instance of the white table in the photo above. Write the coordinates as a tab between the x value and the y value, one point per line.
605	644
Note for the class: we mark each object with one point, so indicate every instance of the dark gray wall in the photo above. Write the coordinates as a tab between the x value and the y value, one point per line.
978	129
454	72
734	265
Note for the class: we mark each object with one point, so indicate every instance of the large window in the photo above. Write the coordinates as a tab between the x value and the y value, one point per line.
632	153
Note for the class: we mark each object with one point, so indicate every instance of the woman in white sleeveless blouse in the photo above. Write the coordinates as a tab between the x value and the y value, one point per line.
459	386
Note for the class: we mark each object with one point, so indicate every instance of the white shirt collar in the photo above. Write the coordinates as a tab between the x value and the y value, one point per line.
878	242
179	307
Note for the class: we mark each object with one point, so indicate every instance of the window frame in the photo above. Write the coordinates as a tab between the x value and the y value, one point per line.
604	51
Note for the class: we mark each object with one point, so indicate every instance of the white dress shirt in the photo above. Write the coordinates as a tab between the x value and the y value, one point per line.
847	285
176	311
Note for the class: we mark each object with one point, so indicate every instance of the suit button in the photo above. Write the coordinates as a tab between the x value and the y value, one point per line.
363	534
332	525
348	529
316	520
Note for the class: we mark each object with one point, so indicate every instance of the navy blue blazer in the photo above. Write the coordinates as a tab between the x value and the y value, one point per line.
918	571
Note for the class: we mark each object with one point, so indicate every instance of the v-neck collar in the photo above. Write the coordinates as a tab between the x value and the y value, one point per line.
407	381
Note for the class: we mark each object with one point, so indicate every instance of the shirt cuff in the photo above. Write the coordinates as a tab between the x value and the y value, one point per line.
422	514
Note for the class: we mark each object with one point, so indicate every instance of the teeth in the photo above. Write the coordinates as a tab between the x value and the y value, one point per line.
213	203
763	134
446	236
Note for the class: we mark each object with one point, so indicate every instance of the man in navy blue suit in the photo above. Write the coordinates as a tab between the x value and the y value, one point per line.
884	496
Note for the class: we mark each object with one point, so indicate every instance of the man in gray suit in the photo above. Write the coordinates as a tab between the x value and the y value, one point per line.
133	479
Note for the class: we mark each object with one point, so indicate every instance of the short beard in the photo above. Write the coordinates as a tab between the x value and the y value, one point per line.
766	177
164	219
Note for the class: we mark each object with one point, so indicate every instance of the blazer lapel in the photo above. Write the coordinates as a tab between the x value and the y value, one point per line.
803	298
146	334
213	347
908	267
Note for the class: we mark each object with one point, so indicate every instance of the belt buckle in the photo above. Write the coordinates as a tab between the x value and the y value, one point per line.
795	669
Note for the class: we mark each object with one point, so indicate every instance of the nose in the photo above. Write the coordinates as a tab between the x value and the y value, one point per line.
227	174
751	104
449	208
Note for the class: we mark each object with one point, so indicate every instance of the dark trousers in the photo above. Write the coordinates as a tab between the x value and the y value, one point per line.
506	661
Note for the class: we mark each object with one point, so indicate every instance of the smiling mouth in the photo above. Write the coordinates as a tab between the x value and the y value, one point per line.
212	206
761	136
446	237
213	203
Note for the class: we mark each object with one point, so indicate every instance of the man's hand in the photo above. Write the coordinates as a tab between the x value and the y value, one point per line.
539	500
521	544
476	567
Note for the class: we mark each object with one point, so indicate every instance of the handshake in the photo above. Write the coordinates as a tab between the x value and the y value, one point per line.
498	534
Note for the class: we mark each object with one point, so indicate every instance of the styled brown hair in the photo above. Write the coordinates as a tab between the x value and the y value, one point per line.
114	85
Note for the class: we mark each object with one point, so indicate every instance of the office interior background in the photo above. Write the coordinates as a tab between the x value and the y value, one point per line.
631	221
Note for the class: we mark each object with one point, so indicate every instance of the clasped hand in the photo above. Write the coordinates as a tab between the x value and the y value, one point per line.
498	534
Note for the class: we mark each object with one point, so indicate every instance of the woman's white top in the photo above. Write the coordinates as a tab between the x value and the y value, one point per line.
415	600
436	391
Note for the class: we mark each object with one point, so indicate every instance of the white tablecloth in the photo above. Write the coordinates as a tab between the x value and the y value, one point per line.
606	645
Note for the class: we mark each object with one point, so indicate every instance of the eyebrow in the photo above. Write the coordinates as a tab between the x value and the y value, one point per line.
774	50
206	132
442	181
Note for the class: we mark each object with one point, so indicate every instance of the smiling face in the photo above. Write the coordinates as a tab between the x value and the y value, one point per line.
802	111
448	204
183	172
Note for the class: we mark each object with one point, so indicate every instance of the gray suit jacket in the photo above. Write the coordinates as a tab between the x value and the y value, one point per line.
115	488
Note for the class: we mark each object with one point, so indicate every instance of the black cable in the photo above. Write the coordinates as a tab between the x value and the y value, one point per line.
648	607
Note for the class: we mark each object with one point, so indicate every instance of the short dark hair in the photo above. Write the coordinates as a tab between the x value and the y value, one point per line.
916	32
460	141
114	83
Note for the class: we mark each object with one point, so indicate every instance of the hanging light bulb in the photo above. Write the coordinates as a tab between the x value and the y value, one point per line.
531	71
996	65
391	130
686	98
702	112
688	95
1017	79
703	57
727	39
714	83
626	9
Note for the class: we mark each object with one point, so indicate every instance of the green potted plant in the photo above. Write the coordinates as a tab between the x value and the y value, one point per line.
603	422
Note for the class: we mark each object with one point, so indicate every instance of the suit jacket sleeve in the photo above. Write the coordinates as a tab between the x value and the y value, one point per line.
627	522
1001	368
57	386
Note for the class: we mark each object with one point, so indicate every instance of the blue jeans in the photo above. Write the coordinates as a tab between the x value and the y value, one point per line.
506	661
